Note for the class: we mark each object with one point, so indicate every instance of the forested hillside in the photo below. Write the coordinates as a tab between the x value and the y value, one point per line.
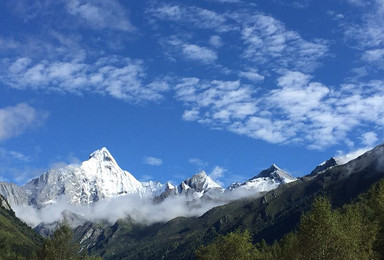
353	231
17	240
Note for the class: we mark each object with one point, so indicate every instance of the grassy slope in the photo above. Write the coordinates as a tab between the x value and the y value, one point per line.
15	235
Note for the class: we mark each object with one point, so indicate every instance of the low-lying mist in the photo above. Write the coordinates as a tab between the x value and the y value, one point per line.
140	210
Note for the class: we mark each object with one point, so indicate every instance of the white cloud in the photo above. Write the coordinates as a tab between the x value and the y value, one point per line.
269	44
100	14
251	75
15	120
369	139
272	131
199	53
198	162
191	16
367	36
152	161
9	155
357	2
190	115
121	78
373	55
215	41
219	101
217	173
298	110
297	96
140	210
344	158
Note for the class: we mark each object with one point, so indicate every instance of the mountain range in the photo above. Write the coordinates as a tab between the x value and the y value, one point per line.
100	178
268	205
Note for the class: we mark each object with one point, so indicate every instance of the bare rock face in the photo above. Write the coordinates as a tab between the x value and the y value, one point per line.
15	195
324	166
4	203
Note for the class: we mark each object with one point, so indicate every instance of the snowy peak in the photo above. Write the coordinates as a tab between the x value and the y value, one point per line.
201	182
97	178
275	172
102	155
325	165
265	181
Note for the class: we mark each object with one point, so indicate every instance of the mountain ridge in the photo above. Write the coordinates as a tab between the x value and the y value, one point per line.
101	177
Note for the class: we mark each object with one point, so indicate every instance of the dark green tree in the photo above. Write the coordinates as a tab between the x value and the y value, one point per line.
61	246
318	232
289	245
233	246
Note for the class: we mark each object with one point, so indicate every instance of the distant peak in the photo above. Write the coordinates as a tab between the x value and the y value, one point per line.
325	165
201	181
275	172
102	155
169	186
274	167
200	174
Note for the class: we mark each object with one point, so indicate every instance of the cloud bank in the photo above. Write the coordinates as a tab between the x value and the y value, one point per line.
140	210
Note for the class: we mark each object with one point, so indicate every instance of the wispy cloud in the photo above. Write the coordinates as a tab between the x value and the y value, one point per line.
366	34
191	16
269	44
343	158
369	139
217	174
140	210
251	75
219	101
100	14
199	53
15	120
9	155
198	162
152	161
215	41
121	78
178	48
298	110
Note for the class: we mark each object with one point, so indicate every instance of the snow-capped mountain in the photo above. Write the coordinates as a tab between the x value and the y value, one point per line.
199	185
325	165
267	180
97	178
100	177
100	182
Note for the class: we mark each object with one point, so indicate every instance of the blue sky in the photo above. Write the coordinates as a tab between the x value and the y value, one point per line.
174	87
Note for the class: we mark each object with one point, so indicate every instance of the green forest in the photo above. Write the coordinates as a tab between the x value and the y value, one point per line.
354	231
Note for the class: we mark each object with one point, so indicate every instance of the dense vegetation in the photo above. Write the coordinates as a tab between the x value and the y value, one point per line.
17	240
354	231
